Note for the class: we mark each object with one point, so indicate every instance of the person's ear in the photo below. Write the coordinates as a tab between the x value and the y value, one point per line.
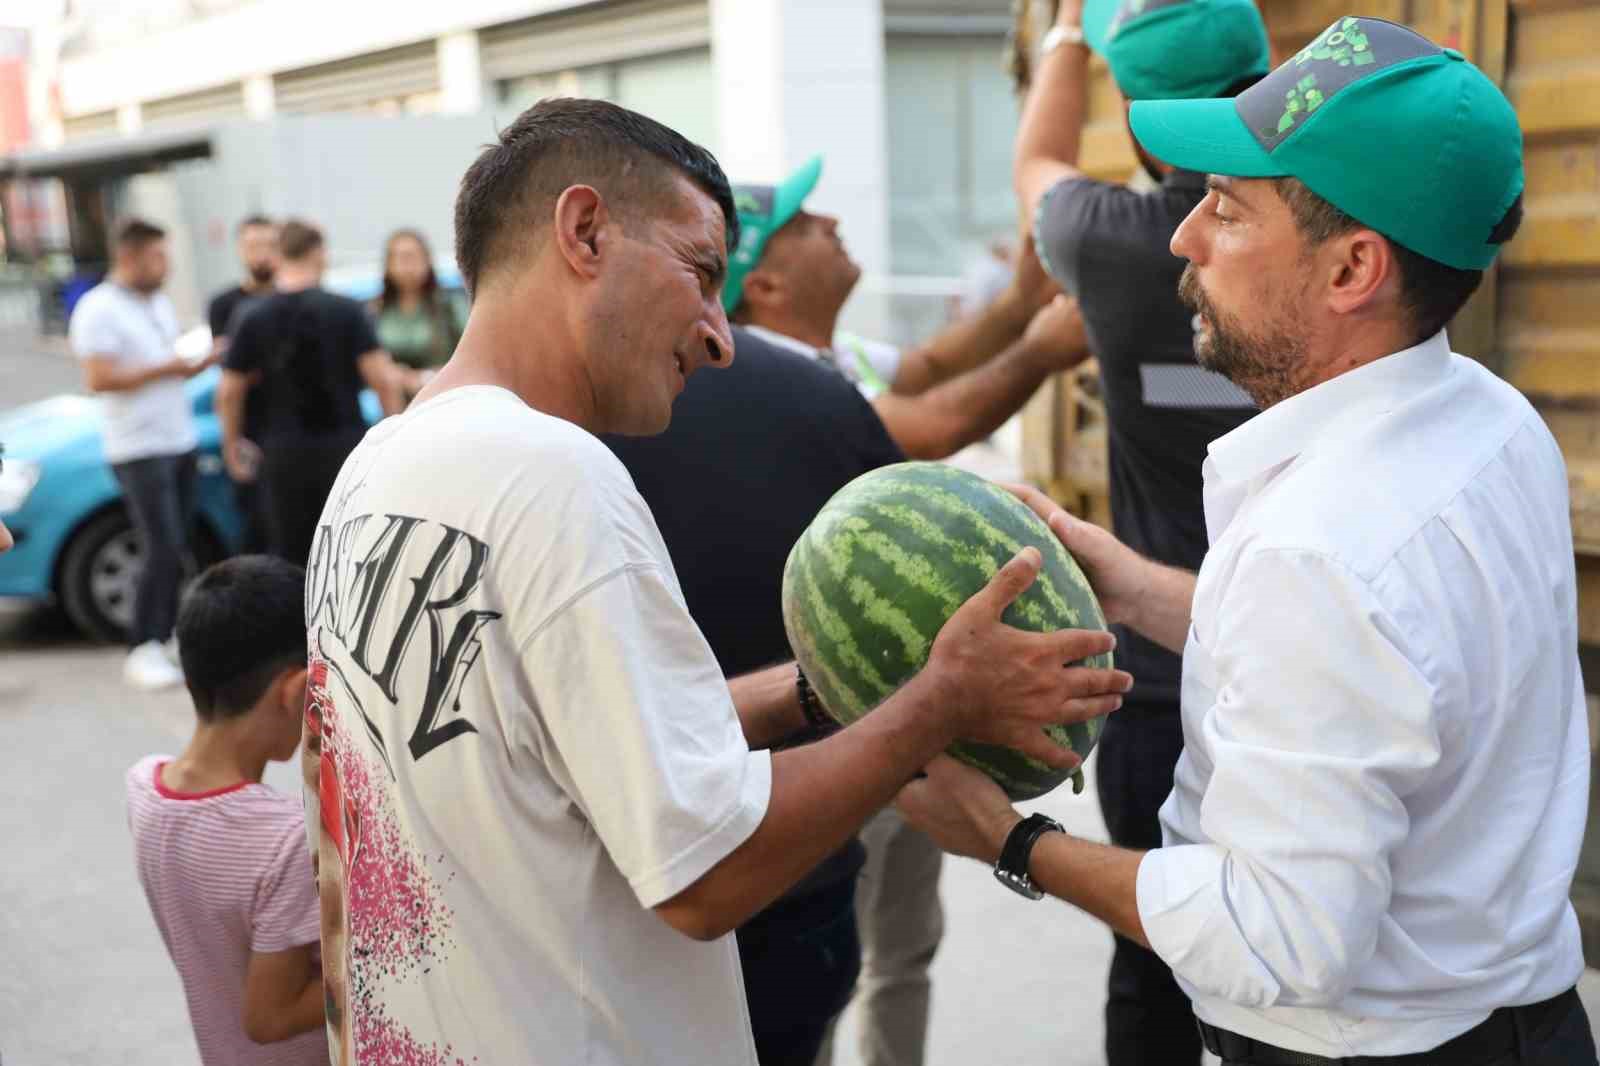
291	692
1358	268
763	288
581	217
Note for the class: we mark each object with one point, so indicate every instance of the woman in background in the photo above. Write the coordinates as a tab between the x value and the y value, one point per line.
418	323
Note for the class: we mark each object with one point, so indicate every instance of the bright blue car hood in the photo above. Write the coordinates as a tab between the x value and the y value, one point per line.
38	430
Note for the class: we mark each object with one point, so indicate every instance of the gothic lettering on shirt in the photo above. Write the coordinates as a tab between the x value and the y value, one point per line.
424	571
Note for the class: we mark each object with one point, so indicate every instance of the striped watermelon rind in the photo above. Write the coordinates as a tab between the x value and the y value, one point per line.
885	564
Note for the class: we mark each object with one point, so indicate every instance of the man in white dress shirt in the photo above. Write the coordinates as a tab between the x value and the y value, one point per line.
1369	846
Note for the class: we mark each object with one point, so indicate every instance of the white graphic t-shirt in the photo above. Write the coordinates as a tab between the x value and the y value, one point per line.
517	744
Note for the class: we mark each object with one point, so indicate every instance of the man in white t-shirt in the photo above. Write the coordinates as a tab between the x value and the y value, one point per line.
124	330
538	809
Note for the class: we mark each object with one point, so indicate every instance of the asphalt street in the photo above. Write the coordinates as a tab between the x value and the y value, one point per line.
85	980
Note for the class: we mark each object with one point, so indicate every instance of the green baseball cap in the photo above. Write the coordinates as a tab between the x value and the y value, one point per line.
763	210
1177	49
1400	134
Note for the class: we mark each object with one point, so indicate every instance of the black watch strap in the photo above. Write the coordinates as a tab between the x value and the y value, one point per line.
1011	869
816	718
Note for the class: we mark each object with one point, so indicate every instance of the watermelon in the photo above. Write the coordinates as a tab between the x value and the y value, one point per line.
885	564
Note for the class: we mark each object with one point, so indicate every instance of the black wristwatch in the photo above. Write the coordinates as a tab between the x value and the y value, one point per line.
1011	869
817	720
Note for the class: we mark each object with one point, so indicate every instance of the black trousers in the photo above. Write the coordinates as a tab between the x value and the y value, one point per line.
800	960
1553	1033
1148	1018
159	493
296	476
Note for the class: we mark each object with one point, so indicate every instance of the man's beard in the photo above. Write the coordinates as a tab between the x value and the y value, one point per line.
261	273
1262	364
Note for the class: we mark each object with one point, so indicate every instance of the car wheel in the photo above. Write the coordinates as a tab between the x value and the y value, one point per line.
100	574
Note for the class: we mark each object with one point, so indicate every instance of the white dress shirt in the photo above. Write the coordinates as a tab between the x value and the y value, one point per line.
1375	822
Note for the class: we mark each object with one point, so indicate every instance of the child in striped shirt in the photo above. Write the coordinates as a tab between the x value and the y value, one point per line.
222	857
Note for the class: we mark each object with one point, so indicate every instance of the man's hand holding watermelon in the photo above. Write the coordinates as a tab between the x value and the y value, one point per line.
985	681
966	813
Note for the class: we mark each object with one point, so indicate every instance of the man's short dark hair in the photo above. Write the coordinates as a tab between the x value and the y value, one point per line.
509	191
241	625
1432	291
251	220
298	239
134	233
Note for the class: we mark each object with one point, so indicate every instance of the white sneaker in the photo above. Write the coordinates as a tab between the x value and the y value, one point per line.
148	667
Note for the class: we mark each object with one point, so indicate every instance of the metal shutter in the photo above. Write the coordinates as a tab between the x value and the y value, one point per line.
567	42
94	124
197	108
359	82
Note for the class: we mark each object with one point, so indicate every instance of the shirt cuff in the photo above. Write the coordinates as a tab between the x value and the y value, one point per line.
692	863
1188	922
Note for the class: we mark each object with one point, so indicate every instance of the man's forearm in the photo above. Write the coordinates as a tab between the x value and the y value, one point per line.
768	703
1164	605
946	419
229	406
108	377
1097	878
821	795
963	345
1050	131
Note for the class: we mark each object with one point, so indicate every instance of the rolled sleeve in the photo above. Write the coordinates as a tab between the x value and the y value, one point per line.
1321	725
639	727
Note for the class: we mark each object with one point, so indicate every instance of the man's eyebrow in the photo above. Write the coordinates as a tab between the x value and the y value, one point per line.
714	266
1225	186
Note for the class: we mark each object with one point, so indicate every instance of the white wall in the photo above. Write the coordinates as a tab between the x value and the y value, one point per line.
801	77
272	35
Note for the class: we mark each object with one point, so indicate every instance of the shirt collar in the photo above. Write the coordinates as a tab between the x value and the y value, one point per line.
782	340
1290	427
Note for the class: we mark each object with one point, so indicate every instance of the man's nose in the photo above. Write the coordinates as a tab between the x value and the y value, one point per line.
717	335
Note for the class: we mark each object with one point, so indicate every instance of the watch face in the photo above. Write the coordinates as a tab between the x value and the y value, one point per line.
1021	884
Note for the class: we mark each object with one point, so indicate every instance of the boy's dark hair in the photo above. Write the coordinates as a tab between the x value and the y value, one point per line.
251	220
298	239
241	625
134	233
509	191
1433	291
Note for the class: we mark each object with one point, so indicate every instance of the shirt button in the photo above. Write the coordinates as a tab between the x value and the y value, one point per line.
1453	54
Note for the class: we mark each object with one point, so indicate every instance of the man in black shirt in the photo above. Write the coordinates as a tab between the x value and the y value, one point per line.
257	245
1108	245
752	454
307	353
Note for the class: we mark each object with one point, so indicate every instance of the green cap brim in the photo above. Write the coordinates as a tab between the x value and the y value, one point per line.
1204	135
787	199
791	194
1097	16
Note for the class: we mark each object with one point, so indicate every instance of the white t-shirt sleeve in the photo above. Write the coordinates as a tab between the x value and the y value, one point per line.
639	727
93	331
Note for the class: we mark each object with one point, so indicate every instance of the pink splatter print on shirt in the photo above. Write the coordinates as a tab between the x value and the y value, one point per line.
395	921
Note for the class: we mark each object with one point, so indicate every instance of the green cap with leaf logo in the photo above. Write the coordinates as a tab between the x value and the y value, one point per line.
1177	49
1400	134
763	210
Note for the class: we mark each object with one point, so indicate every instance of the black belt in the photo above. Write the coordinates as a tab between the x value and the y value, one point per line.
1495	1035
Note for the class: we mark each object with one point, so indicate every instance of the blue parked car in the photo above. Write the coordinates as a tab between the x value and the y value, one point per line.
76	545
75	542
